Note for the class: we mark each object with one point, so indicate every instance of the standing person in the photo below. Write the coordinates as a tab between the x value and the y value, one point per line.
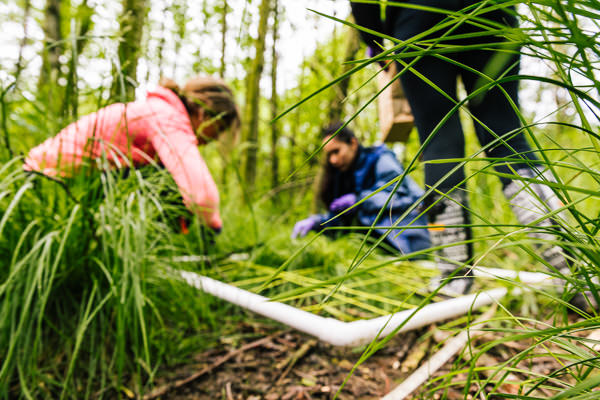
168	126
353	173
431	89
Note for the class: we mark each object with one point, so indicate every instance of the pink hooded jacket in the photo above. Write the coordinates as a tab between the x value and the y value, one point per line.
138	131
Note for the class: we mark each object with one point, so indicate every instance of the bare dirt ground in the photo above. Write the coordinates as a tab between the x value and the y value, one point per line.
270	363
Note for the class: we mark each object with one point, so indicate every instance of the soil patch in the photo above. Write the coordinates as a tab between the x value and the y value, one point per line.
266	363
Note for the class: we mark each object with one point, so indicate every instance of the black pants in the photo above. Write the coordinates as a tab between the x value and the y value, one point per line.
429	106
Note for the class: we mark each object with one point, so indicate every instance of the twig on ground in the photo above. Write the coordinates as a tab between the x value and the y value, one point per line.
228	391
293	359
160	391
452	346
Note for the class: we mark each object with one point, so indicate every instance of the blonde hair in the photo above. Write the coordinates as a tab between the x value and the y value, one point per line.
210	94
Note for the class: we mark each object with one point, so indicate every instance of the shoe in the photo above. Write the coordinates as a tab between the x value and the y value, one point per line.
449	226
584	301
458	285
532	201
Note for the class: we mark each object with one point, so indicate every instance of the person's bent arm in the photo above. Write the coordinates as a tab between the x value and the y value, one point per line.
64	153
387	169
179	154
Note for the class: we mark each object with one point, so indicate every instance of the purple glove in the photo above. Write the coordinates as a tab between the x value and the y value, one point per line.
342	202
372	51
302	228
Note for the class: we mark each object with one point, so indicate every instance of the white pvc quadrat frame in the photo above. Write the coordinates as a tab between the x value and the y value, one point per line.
339	333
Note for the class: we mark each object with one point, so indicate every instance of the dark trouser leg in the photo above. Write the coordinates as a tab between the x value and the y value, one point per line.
491	108
496	118
531	201
429	108
448	216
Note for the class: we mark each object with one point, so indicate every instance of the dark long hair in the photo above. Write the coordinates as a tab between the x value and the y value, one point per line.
330	177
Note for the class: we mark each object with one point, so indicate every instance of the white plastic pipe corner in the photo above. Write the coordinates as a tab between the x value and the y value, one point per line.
339	333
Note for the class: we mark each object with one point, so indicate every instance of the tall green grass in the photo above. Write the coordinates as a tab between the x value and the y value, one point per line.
88	304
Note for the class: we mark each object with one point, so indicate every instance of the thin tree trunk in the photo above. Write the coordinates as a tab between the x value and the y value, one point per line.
78	42
205	16
224	12
222	69
253	95
203	30
19	66
275	124
85	12
50	69
161	43
70	102
352	46
179	16
132	25
292	159
17	74
3	119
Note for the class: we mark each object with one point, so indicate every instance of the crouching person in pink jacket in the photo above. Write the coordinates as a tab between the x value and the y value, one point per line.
167	127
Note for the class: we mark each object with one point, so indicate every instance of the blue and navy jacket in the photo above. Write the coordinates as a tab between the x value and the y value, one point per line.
373	168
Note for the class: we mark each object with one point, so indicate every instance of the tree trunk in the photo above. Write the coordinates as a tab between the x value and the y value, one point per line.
53	48
179	17
253	95
19	66
17	74
78	42
84	13
275	124
222	69
161	44
132	25
341	91
224	12
292	154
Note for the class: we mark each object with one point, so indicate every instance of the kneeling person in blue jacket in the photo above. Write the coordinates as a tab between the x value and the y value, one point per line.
352	173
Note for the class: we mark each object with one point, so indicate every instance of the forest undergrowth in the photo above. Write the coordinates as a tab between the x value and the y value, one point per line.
90	306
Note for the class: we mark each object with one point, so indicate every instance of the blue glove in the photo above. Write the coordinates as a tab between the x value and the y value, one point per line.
302	228
342	203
